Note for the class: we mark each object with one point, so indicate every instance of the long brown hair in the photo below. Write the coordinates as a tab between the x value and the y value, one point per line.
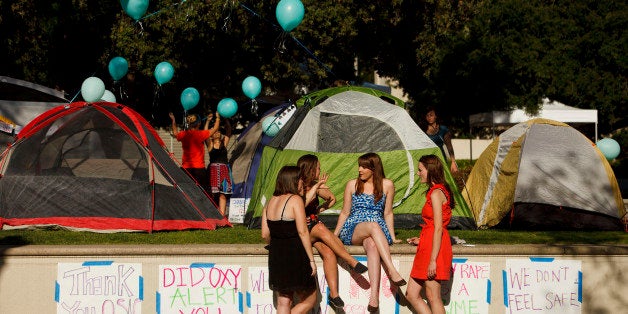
287	181
307	165
436	174
373	162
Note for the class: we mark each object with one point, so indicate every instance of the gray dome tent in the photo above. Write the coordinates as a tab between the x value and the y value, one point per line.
340	124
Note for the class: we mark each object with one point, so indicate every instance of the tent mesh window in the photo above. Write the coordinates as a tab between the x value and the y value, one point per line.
367	133
91	147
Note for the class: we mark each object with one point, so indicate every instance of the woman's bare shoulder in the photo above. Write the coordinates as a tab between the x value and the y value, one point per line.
351	184
387	183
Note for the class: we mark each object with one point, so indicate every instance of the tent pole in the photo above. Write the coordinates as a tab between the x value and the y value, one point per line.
470	143
595	132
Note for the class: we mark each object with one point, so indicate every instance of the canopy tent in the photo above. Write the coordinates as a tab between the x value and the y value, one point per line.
552	110
22	101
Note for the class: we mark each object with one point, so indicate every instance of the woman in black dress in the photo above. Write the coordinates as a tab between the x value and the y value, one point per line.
291	266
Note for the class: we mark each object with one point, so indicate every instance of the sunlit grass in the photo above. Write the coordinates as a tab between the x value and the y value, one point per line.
241	235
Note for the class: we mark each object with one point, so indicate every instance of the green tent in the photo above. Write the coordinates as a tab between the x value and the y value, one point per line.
340	124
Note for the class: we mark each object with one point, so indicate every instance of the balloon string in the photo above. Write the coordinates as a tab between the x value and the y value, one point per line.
161	10
312	55
228	8
280	42
156	101
141	27
119	88
259	16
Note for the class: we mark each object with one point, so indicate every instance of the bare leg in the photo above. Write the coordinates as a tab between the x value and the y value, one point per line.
284	303
375	266
330	266
374	231
222	203
432	292
308	300
321	233
413	295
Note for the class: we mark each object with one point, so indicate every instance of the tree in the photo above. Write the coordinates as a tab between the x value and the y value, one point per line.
463	56
212	45
570	52
473	56
57	43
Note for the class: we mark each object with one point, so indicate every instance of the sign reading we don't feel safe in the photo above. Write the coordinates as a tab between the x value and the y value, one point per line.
543	285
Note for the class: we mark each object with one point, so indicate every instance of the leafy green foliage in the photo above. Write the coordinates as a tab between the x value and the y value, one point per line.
462	56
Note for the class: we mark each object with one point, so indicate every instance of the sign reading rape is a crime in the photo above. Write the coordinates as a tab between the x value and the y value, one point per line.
199	288
469	290
542	285
99	287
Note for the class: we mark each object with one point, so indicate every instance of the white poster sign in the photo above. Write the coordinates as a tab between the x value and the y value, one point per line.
99	287
199	288
542	285
469	290
237	209
354	291
259	297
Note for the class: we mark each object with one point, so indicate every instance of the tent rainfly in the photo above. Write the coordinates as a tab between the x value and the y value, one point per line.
544	175
98	167
340	124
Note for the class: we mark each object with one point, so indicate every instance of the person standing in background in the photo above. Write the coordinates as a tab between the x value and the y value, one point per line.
193	145
440	135
219	170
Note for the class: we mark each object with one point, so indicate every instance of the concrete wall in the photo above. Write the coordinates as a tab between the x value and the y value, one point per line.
28	273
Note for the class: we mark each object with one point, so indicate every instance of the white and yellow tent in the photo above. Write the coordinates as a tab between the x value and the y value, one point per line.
544	174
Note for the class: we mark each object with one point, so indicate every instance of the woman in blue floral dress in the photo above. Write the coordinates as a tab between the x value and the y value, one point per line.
367	219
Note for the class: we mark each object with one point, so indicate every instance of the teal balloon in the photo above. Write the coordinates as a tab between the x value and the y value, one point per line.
134	8
289	14
227	107
164	72
190	98
251	86
92	89
609	147
108	96
118	67
269	127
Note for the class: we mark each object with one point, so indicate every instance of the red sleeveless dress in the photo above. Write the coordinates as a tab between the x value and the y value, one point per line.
424	249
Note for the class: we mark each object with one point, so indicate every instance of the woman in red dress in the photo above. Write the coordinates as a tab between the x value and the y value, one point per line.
432	262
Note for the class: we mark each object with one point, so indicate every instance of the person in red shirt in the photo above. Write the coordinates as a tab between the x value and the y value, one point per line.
193	144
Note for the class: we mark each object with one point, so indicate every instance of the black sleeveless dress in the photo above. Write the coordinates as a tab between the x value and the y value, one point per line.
289	267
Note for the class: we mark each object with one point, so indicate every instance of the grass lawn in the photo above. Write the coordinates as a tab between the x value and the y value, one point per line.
241	235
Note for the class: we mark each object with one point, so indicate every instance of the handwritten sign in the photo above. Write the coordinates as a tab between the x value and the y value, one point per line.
259	296
469	290
237	209
355	291
99	287
199	289
542	285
